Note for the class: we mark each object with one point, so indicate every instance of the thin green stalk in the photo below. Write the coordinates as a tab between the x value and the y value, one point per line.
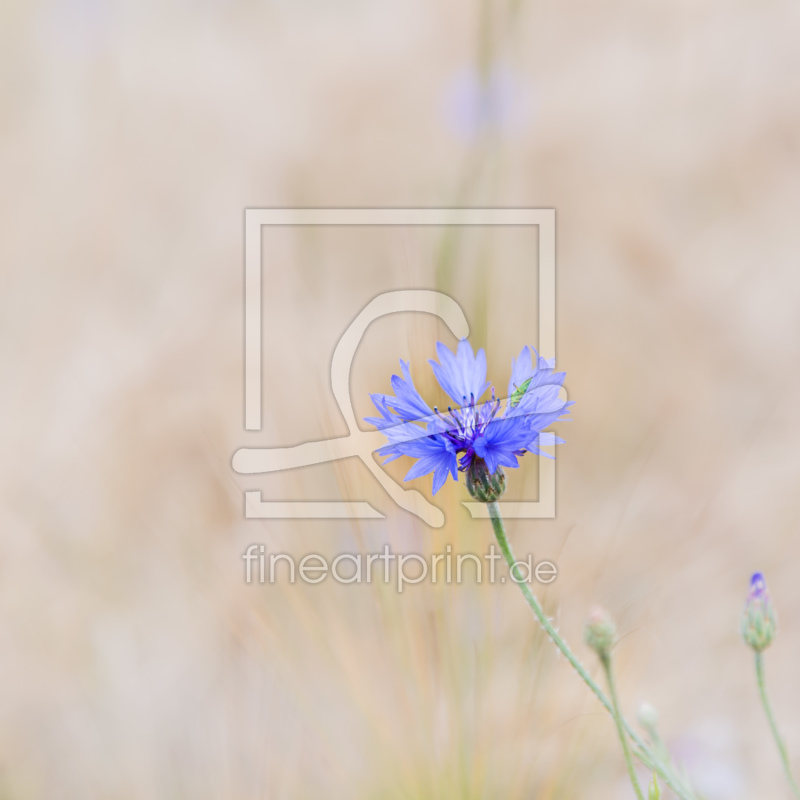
643	753
612	689
762	688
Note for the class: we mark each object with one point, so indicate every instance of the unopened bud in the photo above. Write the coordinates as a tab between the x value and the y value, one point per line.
759	620
599	631
648	717
484	486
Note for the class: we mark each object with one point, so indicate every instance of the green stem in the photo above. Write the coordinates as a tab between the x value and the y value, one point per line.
762	688
612	689
643	753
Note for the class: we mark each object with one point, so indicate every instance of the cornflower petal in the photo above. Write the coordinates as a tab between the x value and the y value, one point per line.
538	400
407	402
463	375
386	418
435	455
523	369
500	441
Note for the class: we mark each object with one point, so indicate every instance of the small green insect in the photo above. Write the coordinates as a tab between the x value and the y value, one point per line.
519	392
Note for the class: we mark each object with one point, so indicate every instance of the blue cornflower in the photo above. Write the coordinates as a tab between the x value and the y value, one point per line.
475	432
759	620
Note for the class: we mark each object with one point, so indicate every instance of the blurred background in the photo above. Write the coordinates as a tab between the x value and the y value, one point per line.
134	660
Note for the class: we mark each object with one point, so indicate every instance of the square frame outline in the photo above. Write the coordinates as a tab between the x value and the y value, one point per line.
255	218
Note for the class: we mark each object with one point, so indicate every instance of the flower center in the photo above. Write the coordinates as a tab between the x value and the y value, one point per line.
464	425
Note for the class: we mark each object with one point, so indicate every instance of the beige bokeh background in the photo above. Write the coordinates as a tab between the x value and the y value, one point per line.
134	661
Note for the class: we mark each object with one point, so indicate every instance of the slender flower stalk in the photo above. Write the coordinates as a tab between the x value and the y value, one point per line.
479	438
541	617
643	753
599	634
762	690
647	716
759	626
623	739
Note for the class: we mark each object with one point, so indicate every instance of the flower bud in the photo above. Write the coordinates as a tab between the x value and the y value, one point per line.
653	792
481	484
648	717
759	620
599	631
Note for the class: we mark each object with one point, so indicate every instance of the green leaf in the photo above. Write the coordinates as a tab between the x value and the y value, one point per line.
654	793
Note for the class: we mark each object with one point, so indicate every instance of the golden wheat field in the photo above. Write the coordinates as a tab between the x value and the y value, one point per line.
136	662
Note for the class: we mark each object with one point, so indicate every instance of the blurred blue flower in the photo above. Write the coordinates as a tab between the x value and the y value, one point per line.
476	102
759	620
82	28
758	586
444	443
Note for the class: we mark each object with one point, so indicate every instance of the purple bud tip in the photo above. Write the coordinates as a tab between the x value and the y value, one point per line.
758	586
